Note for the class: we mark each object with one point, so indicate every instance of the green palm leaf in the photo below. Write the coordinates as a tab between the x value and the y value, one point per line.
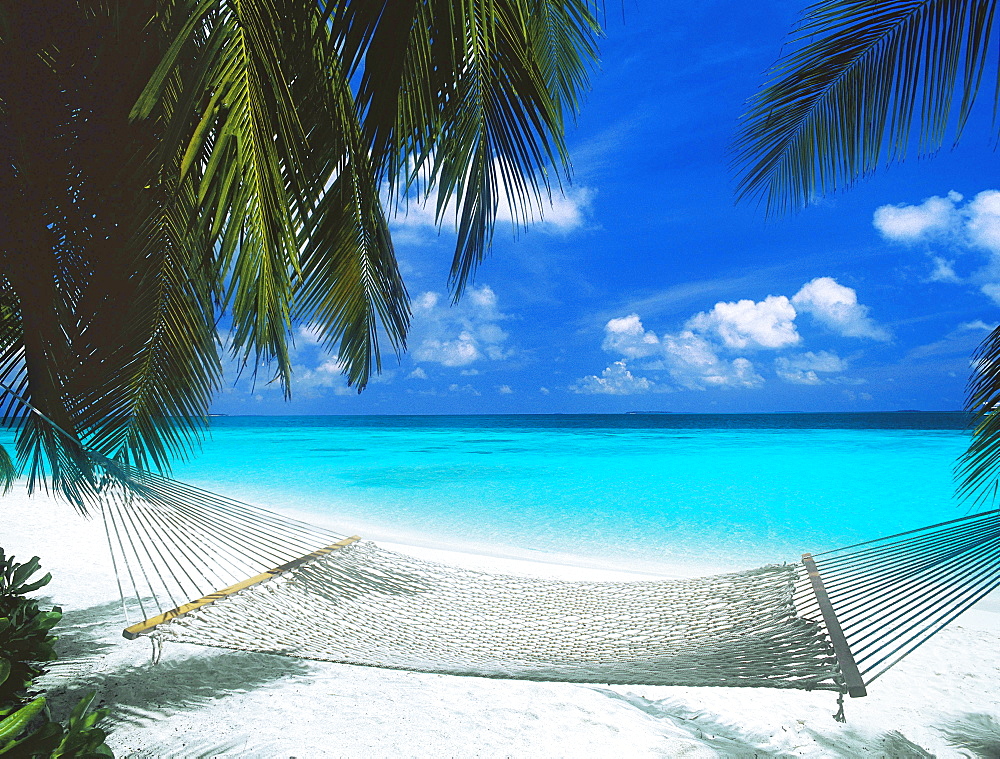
978	467
865	82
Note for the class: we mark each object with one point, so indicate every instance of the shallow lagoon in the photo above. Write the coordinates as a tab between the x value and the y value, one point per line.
717	489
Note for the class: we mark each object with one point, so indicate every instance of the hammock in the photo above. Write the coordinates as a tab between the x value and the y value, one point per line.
201	568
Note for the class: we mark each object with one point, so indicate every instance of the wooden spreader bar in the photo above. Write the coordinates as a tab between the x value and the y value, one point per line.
144	627
848	667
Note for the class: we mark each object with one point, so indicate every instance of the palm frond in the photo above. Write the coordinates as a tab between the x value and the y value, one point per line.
865	82
82	318
468	101
351	288
978	468
8	471
501	127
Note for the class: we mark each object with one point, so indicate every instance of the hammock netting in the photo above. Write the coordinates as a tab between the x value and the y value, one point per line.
201	568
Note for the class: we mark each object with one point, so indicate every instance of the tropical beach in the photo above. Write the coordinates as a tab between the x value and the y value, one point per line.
941	700
499	378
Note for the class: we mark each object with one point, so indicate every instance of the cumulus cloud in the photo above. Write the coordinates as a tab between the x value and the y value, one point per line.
966	229
615	380
417	373
504	390
693	363
329	375
805	368
769	323
463	389
627	337
459	335
983	225
700	355
836	307
903	223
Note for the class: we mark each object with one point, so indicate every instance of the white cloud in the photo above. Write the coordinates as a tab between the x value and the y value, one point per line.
459	335
836	307
853	396
463	389
983	225
804	368
694	364
615	380
560	212
627	337
903	223
690	358
992	291
769	323
458	352
504	390
327	375
961	341
417	373
544	390
972	227
944	270
308	334
695	357
976	326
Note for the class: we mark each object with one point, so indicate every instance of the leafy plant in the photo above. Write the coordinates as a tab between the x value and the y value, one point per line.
26	728
15	724
80	737
25	639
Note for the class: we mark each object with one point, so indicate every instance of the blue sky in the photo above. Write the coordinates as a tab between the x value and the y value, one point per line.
646	289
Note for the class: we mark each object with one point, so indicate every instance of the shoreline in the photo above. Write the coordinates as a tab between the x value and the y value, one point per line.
200	701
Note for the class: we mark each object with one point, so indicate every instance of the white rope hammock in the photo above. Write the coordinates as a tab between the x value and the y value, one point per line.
201	568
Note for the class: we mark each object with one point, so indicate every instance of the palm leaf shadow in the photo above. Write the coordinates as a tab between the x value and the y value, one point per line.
978	733
139	694
83	634
730	739
709	729
848	742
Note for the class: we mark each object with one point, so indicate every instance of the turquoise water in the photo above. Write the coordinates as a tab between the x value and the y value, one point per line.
663	489
722	489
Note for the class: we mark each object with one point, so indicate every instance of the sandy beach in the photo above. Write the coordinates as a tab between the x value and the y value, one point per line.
943	700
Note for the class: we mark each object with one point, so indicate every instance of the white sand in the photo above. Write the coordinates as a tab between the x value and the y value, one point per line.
201	701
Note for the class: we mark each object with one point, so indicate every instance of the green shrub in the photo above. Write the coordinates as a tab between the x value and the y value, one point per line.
26	729
25	641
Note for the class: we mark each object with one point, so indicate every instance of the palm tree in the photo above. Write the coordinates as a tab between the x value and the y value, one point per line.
865	83
170	163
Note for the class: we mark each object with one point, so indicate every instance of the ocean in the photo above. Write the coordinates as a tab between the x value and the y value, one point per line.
633	490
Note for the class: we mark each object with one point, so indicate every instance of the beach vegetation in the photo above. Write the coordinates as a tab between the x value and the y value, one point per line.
185	180
26	644
862	84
